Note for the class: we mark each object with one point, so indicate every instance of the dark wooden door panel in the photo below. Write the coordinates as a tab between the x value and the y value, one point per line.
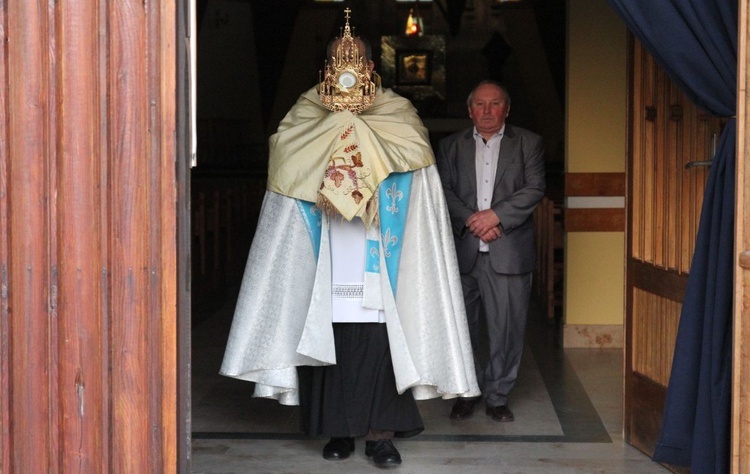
668	136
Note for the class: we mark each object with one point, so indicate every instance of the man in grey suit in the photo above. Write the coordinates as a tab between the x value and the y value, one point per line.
493	179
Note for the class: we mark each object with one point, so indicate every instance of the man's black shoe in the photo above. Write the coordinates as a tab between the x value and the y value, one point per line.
463	408
501	413
384	453
338	449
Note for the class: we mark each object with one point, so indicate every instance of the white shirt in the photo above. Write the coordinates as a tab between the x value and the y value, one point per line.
486	157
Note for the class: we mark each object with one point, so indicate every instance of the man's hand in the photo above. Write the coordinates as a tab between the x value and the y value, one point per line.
490	235
480	223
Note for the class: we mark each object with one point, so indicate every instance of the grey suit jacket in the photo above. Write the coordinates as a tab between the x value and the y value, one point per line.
519	186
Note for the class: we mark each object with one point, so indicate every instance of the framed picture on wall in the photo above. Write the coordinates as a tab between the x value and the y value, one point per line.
414	66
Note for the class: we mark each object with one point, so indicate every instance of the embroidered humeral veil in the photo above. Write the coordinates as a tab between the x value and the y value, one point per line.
351	153
376	165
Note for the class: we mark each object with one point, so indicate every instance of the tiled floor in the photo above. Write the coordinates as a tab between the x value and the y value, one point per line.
567	406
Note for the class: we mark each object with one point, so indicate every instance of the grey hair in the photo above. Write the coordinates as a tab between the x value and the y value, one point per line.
491	82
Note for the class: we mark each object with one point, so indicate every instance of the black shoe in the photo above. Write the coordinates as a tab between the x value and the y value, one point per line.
501	413
463	408
384	453
338	449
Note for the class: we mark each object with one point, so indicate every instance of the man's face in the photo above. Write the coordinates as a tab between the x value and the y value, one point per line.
488	109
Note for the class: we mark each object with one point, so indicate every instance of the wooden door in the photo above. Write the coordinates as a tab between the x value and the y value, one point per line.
89	237
670	144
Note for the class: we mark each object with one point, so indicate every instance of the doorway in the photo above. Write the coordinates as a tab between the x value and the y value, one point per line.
226	202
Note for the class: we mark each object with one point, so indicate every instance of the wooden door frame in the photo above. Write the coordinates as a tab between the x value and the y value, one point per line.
741	309
184	151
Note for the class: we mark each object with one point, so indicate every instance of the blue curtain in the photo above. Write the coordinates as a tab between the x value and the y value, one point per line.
695	41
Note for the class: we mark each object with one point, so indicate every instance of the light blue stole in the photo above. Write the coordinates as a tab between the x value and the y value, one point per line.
393	205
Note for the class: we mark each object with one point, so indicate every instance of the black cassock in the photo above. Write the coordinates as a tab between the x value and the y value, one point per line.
358	393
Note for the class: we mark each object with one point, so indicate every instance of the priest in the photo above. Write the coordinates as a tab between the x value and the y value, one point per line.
351	303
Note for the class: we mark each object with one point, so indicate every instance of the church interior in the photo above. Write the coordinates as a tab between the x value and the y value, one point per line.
254	58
